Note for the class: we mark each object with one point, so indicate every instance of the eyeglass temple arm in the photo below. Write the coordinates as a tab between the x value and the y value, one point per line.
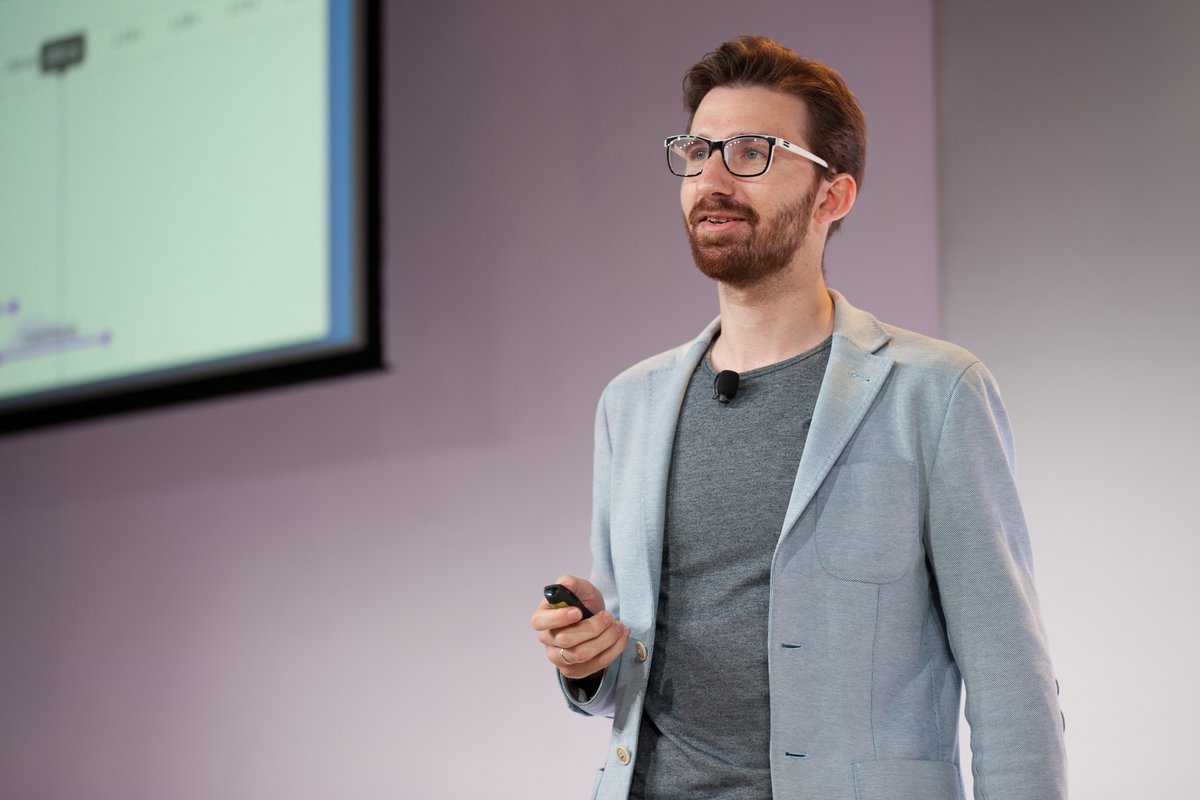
800	151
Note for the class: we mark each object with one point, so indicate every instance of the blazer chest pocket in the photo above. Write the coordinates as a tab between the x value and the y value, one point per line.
868	526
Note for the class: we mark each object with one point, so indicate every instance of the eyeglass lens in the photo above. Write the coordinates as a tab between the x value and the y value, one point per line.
745	156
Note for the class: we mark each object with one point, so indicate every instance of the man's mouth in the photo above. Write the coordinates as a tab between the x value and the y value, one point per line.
714	217
718	223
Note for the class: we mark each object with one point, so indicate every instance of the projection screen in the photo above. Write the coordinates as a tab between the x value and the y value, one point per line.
188	200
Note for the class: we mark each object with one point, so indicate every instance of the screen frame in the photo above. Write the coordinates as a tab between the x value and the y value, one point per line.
245	374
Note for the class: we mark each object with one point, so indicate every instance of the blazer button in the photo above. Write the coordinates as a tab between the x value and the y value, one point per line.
640	651
623	756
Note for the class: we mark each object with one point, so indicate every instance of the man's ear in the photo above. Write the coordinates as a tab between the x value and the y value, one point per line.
836	199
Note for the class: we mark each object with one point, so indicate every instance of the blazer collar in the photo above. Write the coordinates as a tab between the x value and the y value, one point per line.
856	326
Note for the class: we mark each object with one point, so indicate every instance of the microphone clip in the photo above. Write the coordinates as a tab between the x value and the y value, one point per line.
725	386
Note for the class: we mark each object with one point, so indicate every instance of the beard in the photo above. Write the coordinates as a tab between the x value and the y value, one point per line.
765	251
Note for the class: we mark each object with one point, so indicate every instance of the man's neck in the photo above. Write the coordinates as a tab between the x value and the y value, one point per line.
771	322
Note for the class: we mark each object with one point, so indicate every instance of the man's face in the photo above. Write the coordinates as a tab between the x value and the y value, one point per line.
745	229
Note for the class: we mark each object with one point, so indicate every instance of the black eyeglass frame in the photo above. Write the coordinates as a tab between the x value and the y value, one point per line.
719	144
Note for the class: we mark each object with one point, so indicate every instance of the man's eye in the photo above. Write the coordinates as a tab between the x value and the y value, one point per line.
754	154
696	152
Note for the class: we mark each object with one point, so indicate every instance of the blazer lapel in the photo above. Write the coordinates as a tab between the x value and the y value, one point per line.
852	380
664	399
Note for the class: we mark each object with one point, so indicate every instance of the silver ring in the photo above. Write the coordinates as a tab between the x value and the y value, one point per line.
562	653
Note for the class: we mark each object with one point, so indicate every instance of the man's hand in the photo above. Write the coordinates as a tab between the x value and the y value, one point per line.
578	648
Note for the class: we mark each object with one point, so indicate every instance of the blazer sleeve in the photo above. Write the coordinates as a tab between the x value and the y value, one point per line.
603	701
979	550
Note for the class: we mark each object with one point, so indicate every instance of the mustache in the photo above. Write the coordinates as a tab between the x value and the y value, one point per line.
707	205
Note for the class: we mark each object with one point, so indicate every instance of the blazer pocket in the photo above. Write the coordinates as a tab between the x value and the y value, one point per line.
869	524
907	780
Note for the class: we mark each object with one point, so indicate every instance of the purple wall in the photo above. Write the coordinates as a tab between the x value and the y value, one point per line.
252	597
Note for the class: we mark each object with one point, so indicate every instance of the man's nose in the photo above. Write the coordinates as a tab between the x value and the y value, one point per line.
715	177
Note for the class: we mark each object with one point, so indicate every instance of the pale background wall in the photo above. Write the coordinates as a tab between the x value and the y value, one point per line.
249	598
1070	194
324	591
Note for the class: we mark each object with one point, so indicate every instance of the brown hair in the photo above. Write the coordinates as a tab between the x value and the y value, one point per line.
837	131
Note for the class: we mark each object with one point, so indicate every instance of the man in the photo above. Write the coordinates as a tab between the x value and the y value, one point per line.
795	577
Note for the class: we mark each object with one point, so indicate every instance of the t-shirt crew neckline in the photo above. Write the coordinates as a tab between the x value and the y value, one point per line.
769	368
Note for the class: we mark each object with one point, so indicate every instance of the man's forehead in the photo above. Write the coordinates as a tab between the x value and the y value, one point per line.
729	110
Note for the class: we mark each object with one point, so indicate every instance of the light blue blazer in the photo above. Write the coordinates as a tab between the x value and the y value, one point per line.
902	570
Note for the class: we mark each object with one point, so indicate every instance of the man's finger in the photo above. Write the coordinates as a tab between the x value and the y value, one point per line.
591	648
573	635
582	588
585	668
546	618
588	649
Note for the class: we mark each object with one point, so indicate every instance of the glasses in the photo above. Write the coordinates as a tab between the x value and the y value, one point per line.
746	156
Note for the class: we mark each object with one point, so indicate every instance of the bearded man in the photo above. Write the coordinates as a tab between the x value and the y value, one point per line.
806	534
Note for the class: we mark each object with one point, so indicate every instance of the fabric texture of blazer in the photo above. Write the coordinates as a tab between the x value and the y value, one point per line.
902	569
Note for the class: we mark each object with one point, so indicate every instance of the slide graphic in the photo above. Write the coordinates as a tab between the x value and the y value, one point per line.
36	336
41	337
60	55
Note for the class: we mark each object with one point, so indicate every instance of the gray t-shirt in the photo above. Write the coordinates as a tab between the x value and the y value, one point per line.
706	721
